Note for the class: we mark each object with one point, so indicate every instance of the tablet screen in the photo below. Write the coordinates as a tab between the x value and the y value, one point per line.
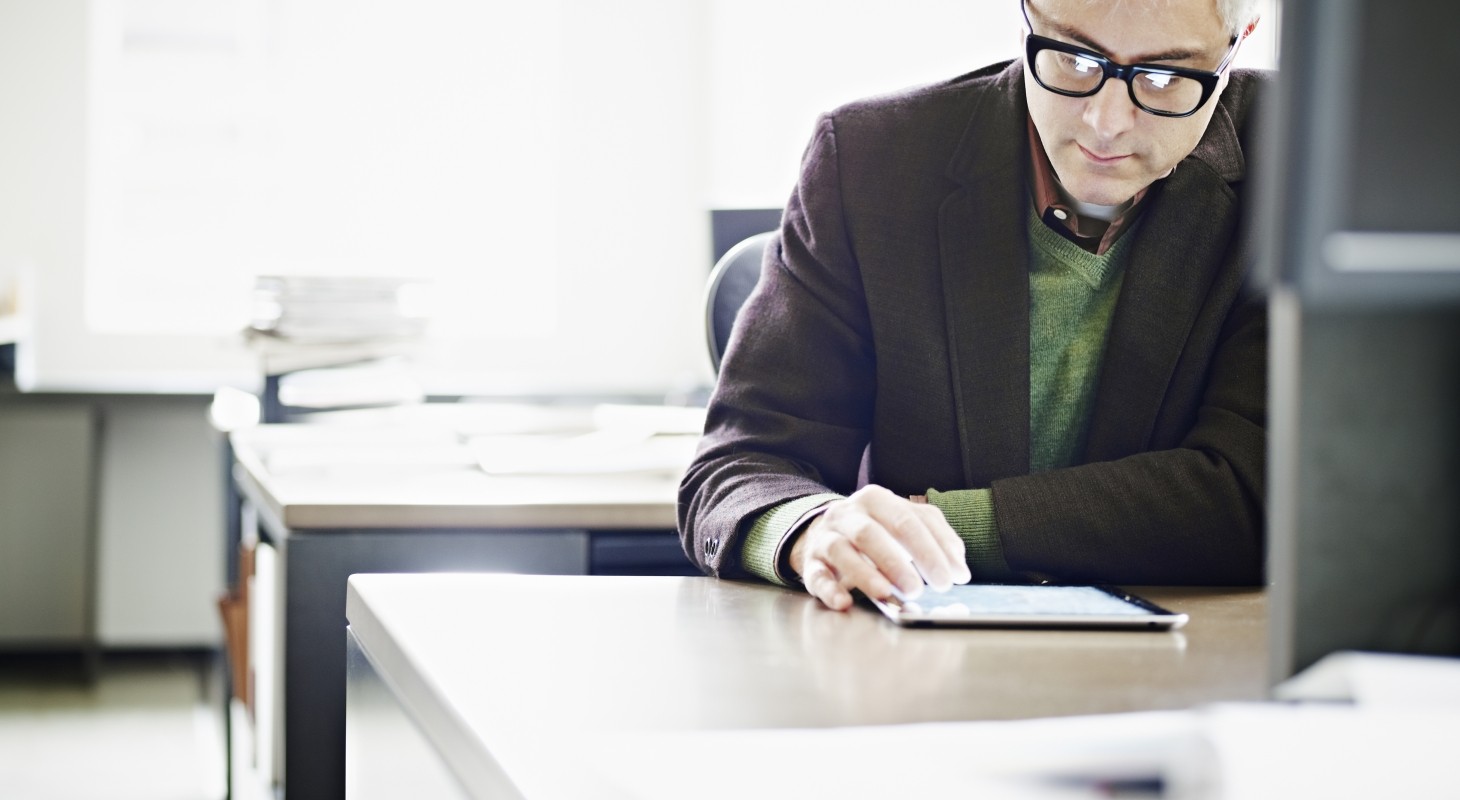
1030	606
1020	600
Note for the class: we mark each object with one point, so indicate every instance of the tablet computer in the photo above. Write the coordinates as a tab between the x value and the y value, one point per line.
1026	606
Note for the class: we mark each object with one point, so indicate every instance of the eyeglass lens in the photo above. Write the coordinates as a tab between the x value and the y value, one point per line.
1070	72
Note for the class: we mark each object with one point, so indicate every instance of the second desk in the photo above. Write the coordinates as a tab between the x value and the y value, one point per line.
323	502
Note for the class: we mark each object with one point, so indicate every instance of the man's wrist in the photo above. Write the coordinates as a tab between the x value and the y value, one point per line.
766	547
785	569
970	512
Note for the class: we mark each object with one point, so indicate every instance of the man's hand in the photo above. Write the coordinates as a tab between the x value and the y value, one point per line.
873	541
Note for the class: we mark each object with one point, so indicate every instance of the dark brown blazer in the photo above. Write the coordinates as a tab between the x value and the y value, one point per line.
893	317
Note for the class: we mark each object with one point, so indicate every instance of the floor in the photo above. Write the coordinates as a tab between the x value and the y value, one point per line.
149	726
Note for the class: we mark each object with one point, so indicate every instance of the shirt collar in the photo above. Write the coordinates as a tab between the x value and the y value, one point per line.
1060	214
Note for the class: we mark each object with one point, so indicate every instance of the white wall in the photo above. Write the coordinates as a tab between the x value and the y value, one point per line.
43	148
628	230
778	64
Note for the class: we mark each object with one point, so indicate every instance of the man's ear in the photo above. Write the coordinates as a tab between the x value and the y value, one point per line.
1251	26
1241	39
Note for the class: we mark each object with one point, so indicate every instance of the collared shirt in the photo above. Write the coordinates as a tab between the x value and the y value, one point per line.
1094	235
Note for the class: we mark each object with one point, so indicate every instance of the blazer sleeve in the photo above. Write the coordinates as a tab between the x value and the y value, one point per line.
779	425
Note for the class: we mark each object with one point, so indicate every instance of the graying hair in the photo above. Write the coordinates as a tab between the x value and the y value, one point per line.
1235	14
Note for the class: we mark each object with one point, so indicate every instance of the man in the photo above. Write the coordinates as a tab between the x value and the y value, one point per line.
1014	306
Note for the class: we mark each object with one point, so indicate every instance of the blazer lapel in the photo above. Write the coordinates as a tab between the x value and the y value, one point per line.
1183	242
984	262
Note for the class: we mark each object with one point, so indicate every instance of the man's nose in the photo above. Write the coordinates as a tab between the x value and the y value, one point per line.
1110	111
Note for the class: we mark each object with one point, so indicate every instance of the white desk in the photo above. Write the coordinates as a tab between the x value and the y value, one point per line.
337	477
328	501
504	703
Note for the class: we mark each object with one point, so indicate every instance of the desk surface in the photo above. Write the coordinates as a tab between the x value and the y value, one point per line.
323	477
606	655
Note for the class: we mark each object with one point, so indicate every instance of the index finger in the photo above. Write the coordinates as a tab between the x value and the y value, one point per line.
919	534
949	539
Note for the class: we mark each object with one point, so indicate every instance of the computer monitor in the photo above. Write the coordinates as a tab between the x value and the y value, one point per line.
1358	225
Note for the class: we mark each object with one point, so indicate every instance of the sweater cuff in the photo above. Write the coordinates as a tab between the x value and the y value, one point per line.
767	546
970	512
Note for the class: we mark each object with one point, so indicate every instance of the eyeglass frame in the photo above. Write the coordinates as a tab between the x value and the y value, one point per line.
1034	43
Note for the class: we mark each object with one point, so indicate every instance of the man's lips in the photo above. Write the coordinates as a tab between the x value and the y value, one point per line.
1101	159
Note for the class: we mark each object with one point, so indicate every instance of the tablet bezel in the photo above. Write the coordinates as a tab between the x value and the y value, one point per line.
1159	619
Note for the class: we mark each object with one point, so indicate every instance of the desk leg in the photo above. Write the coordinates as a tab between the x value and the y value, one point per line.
316	568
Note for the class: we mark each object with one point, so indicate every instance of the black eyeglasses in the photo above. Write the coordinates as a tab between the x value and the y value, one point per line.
1161	90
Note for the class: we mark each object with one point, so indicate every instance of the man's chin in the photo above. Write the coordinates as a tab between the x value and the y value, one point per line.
1102	192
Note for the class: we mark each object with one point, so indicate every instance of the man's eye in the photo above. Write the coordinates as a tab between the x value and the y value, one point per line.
1084	65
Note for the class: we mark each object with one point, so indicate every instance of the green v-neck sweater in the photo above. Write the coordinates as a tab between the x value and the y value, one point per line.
1072	295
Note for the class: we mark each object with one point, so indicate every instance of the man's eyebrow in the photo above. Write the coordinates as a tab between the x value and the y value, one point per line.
1080	38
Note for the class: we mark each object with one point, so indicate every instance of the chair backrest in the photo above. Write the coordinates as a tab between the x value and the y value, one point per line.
731	281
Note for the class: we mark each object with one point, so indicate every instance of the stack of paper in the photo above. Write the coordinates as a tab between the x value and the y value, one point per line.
340	341
314	310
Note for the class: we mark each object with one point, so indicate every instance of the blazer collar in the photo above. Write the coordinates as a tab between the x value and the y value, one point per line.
1219	148
984	257
991	146
1187	236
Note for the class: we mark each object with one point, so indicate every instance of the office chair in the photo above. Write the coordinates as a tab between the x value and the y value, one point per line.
734	275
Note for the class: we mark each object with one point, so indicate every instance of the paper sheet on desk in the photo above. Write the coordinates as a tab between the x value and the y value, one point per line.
1043	759
1384	727
1254	751
597	453
379	457
1248	751
687	420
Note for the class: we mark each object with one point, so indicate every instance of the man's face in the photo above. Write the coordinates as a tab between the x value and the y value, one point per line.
1104	149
